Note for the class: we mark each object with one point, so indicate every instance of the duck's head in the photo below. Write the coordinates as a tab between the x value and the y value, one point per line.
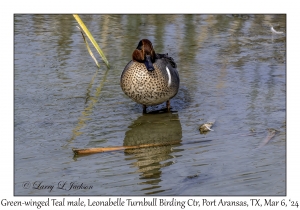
144	53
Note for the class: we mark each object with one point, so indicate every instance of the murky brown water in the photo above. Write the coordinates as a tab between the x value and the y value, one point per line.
232	70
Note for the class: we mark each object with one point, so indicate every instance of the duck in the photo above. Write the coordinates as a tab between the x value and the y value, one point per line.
150	78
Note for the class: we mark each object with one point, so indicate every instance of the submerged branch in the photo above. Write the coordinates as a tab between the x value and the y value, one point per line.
110	149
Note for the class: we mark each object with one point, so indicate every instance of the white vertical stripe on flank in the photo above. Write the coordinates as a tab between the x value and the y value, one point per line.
169	81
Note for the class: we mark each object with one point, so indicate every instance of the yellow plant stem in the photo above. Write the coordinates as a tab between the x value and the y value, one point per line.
89	35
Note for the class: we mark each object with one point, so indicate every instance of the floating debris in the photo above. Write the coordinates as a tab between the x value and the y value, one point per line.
271	134
275	32
192	176
206	127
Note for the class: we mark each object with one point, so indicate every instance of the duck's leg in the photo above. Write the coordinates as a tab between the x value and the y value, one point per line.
144	109
168	105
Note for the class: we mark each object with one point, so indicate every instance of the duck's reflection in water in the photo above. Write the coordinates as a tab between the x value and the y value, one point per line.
159	129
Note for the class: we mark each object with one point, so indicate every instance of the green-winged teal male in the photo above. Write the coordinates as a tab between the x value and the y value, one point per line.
150	78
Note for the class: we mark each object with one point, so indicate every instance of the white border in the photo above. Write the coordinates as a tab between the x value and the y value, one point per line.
152	6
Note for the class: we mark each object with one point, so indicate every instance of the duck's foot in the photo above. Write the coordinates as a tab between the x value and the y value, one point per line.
144	109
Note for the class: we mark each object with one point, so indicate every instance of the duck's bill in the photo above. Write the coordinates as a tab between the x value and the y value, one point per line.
148	63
